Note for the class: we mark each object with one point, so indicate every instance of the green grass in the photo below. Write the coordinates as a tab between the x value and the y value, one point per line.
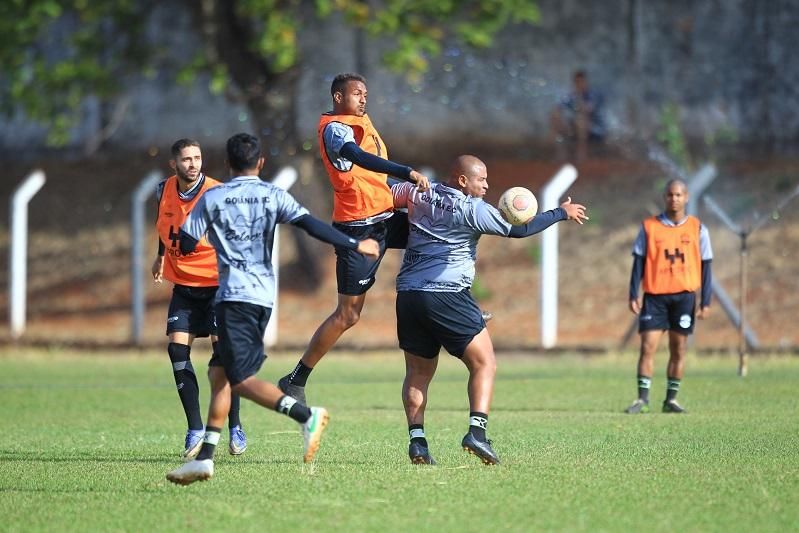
86	442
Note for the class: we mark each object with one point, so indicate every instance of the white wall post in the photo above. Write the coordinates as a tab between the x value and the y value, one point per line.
18	258
550	199
141	194
284	180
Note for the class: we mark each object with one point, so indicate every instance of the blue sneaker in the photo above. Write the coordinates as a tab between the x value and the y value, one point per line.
194	441
238	441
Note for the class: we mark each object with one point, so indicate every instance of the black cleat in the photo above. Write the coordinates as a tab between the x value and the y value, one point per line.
639	406
295	391
487	315
671	406
481	449
419	454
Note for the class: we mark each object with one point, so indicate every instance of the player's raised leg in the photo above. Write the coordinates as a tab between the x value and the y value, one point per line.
314	420
345	316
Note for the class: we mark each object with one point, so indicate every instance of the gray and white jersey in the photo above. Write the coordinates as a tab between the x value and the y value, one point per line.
335	136
240	218
445	226
705	249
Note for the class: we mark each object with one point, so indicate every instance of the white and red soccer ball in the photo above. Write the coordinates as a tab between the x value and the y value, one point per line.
518	205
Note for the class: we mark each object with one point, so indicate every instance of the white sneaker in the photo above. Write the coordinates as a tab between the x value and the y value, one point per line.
192	471
312	432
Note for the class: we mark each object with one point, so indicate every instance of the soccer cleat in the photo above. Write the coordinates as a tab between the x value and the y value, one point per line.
481	449
419	454
295	391
671	406
639	406
194	441
238	441
312	432
487	315
192	471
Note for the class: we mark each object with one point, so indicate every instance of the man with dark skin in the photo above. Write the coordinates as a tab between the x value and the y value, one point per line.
435	308
356	160
672	255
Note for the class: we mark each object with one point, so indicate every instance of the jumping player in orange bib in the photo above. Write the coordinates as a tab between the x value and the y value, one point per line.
356	160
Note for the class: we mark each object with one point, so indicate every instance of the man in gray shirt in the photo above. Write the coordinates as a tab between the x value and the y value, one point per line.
239	218
434	305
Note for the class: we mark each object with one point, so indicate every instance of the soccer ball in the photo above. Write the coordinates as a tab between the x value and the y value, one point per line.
518	205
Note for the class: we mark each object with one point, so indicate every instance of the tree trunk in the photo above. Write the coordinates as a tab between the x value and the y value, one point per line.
271	99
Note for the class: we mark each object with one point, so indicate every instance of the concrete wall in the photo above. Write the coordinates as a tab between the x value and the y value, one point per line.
726	63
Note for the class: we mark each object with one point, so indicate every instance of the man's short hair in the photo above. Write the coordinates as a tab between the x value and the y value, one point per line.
180	144
340	81
243	151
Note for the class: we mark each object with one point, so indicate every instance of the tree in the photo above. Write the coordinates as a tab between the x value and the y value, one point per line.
57	53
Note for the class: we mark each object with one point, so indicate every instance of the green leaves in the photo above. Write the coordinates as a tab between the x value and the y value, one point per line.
51	68
419	28
57	53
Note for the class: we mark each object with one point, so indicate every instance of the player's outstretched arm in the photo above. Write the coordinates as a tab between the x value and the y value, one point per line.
327	233
364	159
540	222
574	212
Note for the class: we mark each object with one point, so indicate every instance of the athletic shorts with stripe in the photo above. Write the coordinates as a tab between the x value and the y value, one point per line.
673	312
355	273
191	310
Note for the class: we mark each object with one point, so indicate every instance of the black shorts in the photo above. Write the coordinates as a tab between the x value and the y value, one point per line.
426	321
674	312
191	310
355	273
241	338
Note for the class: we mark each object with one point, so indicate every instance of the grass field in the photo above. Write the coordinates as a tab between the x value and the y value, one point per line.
87	441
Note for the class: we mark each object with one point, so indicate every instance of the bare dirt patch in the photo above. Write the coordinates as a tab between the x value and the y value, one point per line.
79	269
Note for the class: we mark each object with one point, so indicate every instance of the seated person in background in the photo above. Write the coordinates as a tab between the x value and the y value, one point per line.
579	115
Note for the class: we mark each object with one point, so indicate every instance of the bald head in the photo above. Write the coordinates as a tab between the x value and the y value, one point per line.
675	196
469	174
675	183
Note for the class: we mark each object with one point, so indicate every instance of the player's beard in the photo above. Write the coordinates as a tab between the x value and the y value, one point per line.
185	179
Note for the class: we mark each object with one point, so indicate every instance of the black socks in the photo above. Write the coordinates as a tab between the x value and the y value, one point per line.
186	382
